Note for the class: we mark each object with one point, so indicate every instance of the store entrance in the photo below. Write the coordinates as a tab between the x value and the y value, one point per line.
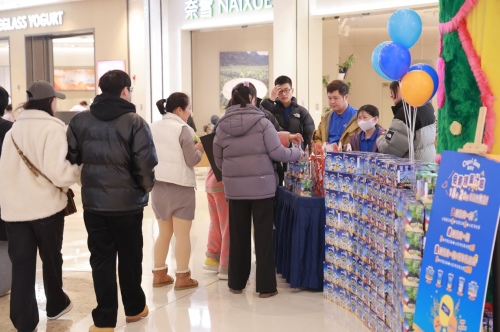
68	62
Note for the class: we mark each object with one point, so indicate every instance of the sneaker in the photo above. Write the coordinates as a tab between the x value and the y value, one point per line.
223	276
65	311
211	264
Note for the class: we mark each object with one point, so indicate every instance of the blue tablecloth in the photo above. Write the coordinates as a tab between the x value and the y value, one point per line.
299	239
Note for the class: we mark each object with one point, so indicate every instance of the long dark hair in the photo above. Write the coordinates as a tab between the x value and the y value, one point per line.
241	93
175	100
394	88
44	105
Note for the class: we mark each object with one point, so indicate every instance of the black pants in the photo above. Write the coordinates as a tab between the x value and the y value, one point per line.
240	214
24	239
107	237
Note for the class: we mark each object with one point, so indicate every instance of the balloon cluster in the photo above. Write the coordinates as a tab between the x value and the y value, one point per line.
392	60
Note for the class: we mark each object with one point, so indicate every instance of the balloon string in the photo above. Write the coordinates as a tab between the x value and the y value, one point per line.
405	108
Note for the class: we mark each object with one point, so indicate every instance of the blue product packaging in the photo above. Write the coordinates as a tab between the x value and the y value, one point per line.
381	263
345	240
382	219
362	186
344	220
331	199
329	253
376	193
367	291
355	184
334	161
345	278
331	217
356	245
330	180
346	202
389	292
331	235
404	175
383	196
373	300
345	183
330	271
353	284
345	259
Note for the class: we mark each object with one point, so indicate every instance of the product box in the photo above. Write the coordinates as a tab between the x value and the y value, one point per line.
346	202
409	298
304	187
345	259
334	161
329	272
354	162
415	215
345	221
345	240
331	236
331	182
404	175
362	186
411	271
427	212
331	218
345	182
329	253
332	198
408	321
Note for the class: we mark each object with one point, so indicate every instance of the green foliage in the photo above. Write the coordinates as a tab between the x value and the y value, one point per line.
229	73
326	80
348	63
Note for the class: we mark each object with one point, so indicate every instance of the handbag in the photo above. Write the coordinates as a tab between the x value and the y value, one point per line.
71	206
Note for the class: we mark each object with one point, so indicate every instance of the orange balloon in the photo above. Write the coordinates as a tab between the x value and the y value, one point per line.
417	87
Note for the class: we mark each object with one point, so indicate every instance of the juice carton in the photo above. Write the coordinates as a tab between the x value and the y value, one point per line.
346	202
331	182
353	284
345	259
328	271
367	274
404	175
415	215
381	237
353	163
329	253
389	292
355	265
382	201
345	240
380	263
383	169
380	311
427	209
331	218
331	235
373	299
356	242
411	272
374	277
375	215
334	161
413	244
376	193
372	323
389	248
382	219
355	185
366	293
344	298
345	182
332	199
408	321
390	223
410	298
345	221
327	290
362	186
365	247
304	187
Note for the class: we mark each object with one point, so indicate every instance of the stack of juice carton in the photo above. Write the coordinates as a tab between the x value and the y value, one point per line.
298	177
373	237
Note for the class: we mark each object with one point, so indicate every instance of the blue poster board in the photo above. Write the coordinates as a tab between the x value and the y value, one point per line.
459	246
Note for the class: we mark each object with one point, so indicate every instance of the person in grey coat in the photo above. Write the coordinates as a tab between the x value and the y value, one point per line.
395	141
244	146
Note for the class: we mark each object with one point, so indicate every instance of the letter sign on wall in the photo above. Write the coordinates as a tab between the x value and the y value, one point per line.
33	21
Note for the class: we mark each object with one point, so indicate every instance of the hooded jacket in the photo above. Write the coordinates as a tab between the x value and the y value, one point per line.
395	141
299	119
321	134
244	146
116	148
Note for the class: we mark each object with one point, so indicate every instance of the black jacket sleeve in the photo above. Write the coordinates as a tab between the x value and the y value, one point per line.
309	126
144	158
272	119
269	105
74	155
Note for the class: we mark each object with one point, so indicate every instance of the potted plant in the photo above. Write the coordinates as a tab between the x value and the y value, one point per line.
348	63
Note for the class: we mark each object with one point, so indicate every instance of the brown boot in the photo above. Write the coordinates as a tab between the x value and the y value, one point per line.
136	318
183	280
161	278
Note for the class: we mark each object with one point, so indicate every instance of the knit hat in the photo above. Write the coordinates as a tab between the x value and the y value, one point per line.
214	119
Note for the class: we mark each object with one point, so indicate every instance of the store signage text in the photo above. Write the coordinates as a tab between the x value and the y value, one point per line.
34	21
205	8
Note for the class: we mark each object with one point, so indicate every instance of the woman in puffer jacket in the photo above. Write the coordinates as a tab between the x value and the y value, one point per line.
244	146
395	141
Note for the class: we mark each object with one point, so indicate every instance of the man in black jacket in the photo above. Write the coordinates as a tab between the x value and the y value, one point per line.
116	148
290	115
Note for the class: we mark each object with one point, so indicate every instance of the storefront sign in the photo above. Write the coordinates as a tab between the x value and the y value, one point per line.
459	246
34	21
205	8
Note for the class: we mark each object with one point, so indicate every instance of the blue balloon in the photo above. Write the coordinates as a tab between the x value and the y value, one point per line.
405	27
394	60
375	61
432	73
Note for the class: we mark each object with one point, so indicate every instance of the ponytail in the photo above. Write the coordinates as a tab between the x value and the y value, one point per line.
241	93
174	101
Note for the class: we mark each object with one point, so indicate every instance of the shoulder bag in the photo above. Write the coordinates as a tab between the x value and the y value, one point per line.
71	207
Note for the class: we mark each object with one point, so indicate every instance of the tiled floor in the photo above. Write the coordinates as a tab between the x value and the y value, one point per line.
211	307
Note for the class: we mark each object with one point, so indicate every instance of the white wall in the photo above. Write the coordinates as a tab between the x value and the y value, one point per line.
206	59
5	66
73	57
339	7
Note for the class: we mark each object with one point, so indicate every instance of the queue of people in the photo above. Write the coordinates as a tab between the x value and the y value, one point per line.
118	159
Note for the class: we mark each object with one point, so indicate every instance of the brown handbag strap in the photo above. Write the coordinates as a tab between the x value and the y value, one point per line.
32	167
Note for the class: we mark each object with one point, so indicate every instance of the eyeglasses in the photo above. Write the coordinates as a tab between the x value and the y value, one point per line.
131	89
284	91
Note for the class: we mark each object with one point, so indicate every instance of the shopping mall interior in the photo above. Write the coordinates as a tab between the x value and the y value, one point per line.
352	263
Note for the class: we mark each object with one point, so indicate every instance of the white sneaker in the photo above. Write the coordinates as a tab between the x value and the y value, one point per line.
223	276
65	311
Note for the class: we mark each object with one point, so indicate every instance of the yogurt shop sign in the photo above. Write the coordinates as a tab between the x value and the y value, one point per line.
205	8
34	21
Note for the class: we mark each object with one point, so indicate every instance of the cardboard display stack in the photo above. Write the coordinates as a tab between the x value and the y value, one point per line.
374	235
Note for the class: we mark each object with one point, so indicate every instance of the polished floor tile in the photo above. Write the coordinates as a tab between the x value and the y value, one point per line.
210	307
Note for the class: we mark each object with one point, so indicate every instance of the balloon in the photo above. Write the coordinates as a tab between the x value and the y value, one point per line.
429	70
375	62
416	88
394	60
405	27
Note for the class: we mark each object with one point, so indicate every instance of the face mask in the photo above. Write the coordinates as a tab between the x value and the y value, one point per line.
366	125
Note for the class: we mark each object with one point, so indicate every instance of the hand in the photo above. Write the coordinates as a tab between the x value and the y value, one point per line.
274	92
199	146
297	139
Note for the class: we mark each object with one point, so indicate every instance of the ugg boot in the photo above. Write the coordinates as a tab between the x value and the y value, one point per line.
136	318
161	278
94	328
183	280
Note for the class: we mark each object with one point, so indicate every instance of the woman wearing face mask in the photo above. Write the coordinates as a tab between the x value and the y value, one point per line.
366	140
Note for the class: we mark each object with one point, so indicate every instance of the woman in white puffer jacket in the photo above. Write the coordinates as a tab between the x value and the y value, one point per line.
33	208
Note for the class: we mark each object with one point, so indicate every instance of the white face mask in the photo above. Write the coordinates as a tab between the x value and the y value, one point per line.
367	125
